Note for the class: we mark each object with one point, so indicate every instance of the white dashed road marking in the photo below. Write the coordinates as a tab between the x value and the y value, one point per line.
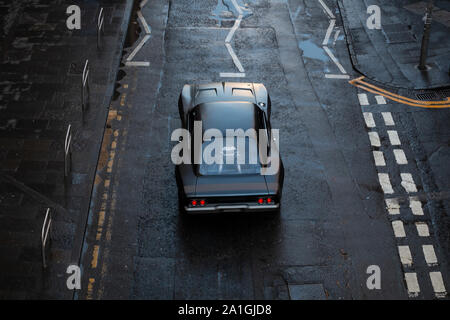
388	120
379	159
416	207
368	118
363	100
385	183
374	139
438	284
400	157
393	137
430	255
399	230
422	229
408	182
405	255
412	284
392	206
380	99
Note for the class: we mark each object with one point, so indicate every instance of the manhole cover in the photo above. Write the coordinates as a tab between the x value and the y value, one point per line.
306	292
395	28
399	37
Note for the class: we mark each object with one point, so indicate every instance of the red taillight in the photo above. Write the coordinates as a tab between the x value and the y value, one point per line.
202	202
260	200
194	203
269	200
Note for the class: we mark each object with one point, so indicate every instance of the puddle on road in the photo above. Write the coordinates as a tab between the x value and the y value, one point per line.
313	51
225	11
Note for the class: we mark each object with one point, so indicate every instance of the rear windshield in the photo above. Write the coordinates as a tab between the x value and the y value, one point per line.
240	157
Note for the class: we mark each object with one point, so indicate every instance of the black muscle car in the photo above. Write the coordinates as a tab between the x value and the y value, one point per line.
228	186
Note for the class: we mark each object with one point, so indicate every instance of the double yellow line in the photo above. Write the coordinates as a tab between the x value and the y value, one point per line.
358	82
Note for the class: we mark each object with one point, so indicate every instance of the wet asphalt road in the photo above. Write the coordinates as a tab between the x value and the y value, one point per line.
333	223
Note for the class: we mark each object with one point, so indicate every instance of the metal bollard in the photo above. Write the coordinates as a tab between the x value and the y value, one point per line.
45	233
68	152
100	26
85	90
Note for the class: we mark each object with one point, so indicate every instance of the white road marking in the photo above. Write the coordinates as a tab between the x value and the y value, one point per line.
385	183
368	118
336	36
329	31
327	10
412	284
400	156
408	182
144	23
393	137
438	284
137	63
236	61
380	99
430	255
399	230
392	206
405	255
337	76
388	120
363	100
416	207
232	75
143	41
335	60
374	139
238	7
233	30
379	158
422	229
230	35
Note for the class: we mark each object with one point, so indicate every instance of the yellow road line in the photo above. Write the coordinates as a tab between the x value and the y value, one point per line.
95	257
358	82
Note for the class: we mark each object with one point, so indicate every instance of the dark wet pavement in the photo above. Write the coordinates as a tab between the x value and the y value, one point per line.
41	66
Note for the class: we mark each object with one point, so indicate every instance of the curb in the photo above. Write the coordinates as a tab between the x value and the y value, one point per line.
354	60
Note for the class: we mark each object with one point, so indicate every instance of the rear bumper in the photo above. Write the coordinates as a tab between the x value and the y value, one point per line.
232	208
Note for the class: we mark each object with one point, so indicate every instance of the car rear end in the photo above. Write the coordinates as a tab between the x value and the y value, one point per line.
224	204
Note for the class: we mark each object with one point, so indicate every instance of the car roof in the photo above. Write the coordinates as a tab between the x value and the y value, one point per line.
224	115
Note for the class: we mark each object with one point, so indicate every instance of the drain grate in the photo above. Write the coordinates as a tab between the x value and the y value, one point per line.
428	96
445	93
399	37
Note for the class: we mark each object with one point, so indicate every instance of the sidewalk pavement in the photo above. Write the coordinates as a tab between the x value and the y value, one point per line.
41	62
391	55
